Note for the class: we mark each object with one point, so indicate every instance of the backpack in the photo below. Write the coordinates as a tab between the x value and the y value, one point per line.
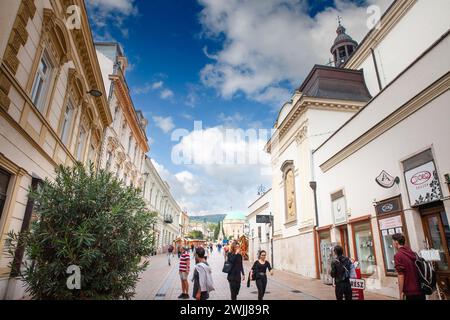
342	272
427	275
209	279
209	282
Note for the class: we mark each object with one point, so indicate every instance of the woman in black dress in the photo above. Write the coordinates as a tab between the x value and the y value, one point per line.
236	275
259	271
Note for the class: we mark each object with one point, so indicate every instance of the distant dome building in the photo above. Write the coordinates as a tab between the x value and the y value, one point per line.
233	224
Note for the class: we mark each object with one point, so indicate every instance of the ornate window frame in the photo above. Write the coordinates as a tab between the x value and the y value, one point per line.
74	94
55	45
17	39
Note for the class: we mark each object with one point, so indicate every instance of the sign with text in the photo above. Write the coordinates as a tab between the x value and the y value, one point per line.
431	255
423	184
264	219
358	284
391	223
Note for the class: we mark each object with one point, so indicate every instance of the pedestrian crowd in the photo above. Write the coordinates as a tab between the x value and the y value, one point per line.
416	277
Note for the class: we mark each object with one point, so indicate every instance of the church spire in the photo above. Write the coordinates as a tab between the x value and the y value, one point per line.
343	45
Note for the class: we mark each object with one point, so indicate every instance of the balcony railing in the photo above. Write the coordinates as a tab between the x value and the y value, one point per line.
168	219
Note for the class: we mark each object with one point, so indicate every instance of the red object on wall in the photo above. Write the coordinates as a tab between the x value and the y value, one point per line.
358	294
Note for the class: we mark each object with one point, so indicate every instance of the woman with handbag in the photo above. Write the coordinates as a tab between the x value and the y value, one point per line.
259	273
236	273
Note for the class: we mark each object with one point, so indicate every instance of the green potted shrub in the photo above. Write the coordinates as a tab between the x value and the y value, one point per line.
88	219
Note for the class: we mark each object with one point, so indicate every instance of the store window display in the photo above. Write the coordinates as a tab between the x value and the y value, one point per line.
365	252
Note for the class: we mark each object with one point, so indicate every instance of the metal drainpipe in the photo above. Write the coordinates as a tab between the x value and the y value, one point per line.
376	68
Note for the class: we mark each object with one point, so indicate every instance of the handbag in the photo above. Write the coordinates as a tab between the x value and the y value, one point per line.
227	266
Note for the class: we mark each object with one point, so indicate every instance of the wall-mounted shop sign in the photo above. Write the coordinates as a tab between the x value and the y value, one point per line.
423	184
389	206
339	207
387	181
264	218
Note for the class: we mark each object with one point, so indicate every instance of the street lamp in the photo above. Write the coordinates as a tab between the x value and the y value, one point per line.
313	186
246	229
95	93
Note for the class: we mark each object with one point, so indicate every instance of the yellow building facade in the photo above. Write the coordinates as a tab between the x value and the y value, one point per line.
47	116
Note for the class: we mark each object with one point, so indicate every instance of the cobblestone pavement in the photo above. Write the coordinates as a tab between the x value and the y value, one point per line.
161	282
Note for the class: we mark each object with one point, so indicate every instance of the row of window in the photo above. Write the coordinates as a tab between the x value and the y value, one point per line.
39	93
130	144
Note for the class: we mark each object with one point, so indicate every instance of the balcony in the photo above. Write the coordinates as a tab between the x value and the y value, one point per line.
168	219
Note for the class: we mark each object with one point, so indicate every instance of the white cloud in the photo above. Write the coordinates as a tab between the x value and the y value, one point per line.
211	186
230	120
193	95
148	86
157	85
164	123
270	43
187	116
166	94
107	13
125	6
188	181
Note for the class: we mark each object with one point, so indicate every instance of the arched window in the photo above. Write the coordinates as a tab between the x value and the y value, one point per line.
108	160
67	122
130	139
288	170
81	144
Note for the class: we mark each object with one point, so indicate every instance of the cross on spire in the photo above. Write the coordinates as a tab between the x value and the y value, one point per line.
339	19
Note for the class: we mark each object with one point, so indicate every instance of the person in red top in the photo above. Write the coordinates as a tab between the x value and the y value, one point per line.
185	261
408	277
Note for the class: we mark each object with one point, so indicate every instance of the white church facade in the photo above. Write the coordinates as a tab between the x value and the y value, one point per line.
382	113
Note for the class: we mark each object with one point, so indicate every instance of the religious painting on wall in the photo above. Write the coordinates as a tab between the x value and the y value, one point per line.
289	191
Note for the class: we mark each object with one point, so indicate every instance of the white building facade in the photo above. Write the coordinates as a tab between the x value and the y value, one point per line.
157	194
401	138
125	142
260	234
332	141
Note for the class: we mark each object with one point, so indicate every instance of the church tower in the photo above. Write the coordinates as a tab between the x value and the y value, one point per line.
343	46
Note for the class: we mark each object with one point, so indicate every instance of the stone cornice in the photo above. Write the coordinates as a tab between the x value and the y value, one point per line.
305	103
258	210
435	90
128	109
392	16
86	51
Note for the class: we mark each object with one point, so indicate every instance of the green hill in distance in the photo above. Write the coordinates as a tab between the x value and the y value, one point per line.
213	218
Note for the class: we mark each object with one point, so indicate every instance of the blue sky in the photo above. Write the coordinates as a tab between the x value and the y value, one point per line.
229	63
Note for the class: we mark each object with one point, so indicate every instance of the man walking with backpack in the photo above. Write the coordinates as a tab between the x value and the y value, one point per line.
408	275
340	271
202	278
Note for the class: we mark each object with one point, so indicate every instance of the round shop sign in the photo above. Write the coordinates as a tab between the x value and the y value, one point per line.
387	207
421	177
